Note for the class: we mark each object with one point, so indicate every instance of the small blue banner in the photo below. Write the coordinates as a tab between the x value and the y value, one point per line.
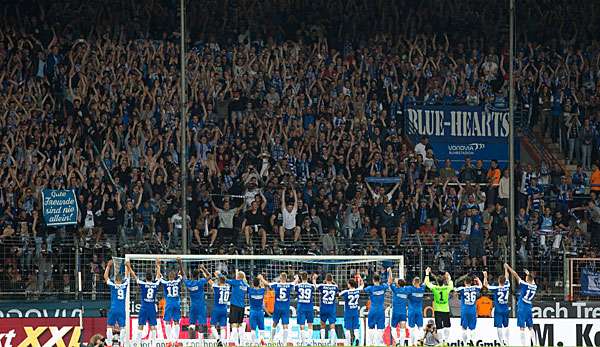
590	282
59	207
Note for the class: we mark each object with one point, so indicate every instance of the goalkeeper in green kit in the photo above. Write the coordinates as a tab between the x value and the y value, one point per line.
441	292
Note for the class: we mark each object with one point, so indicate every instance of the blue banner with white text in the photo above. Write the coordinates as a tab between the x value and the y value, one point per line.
59	207
590	282
458	132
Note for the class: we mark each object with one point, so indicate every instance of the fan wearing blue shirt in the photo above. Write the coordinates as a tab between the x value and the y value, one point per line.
468	309
351	298
501	293
527	291
239	289
172	290
281	313
305	307
327	306
415	309
196	293
376	316
148	291
118	291
218	316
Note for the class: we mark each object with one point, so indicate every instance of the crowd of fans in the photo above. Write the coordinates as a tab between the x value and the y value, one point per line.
295	130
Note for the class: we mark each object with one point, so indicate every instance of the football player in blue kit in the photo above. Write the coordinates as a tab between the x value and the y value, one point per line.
305	307
415	309
527	291
376	316
218	316
148	291
351	298
399	307
256	295
327	303
281	312
118	291
172	291
196	292
501	294
468	309
239	289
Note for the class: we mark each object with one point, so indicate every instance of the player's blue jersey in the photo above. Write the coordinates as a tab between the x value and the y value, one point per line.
501	294
415	298
468	297
351	297
239	289
304	293
377	296
148	292
196	290
282	295
400	298
257	296
221	300
172	289
328	294
117	294
526	293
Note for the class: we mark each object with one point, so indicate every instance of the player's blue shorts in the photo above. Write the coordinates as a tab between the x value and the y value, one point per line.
282	315
398	316
147	315
198	314
415	319
257	320
351	320
524	317
218	317
327	317
501	319
116	316
172	313
376	320
468	319
306	316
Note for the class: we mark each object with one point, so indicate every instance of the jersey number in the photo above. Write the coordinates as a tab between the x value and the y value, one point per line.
529	294
172	291
328	296
470	298
502	297
304	294
282	294
353	300
150	294
120	294
223	297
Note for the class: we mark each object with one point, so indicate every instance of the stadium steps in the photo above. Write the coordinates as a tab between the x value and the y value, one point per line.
549	151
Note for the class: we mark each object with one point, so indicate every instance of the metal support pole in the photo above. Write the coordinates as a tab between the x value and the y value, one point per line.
511	138
183	139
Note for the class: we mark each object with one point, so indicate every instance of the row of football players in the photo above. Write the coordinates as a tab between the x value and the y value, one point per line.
407	305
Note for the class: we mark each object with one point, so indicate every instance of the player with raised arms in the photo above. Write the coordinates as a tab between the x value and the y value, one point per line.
501	293
218	316
399	307
351	298
239	289
327	306
441	308
281	312
256	295
148	293
527	290
468	308
196	290
172	291
118	291
376	316
415	310
305	307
